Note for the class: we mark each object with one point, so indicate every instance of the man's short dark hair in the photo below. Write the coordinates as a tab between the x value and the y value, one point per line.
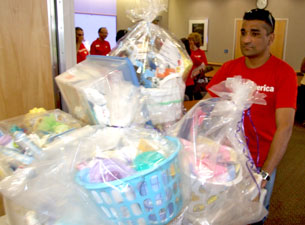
261	14
78	28
99	30
120	34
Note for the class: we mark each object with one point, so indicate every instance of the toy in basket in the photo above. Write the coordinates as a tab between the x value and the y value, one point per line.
140	187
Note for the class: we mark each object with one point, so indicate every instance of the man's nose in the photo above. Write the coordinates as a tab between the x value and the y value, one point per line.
246	38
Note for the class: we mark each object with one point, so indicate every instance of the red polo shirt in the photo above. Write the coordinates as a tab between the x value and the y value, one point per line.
82	53
99	47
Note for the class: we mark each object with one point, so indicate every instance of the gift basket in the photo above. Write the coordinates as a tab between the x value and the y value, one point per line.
134	176
24	138
102	90
117	175
224	180
44	192
159	60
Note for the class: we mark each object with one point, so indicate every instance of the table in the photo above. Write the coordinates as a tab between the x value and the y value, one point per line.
189	104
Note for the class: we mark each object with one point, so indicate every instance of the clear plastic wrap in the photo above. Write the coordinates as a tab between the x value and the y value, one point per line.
40	125
44	193
224	181
103	90
160	61
117	175
23	139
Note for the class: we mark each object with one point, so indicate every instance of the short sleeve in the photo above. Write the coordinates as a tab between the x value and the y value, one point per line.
286	95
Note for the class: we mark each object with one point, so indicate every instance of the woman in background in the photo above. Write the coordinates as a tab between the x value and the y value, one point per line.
81	50
199	64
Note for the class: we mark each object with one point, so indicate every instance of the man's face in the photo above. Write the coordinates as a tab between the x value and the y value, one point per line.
255	40
79	35
103	33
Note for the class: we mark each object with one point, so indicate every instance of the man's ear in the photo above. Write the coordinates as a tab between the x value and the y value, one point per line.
271	39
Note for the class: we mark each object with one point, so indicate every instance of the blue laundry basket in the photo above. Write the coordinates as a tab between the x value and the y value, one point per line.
152	196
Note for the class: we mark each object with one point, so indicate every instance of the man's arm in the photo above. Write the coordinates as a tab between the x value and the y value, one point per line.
92	49
284	123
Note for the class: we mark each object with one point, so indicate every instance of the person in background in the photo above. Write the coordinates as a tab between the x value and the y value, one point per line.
81	51
120	34
186	45
100	46
199	64
300	114
274	121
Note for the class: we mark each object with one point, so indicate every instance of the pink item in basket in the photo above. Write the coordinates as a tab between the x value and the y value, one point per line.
206	163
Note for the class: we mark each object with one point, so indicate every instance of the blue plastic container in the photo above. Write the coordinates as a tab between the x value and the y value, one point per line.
152	196
122	64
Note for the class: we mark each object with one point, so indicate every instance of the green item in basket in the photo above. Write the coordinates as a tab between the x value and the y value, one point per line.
147	160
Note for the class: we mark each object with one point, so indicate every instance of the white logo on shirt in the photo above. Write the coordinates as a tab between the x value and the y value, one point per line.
265	88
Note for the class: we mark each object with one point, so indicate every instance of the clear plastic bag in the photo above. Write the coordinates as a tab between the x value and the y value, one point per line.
159	59
224	179
103	90
24	139
40	126
115	175
45	192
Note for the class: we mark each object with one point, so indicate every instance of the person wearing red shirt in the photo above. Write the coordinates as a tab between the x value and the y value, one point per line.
100	46
199	64
276	79
81	50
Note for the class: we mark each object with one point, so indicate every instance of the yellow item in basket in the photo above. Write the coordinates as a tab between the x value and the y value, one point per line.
37	110
198	208
172	171
144	146
212	199
195	197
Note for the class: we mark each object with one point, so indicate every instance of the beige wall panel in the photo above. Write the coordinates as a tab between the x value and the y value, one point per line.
25	64
278	46
123	22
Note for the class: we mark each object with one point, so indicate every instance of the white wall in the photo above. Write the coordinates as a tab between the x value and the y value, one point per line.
90	15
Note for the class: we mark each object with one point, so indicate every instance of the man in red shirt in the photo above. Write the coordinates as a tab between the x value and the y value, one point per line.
276	79
81	51
100	46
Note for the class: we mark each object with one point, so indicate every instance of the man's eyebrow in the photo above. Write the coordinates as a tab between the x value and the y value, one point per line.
254	30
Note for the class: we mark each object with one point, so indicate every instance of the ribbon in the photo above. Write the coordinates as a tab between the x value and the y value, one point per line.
250	163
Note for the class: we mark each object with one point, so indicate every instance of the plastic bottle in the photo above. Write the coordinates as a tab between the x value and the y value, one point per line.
24	142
